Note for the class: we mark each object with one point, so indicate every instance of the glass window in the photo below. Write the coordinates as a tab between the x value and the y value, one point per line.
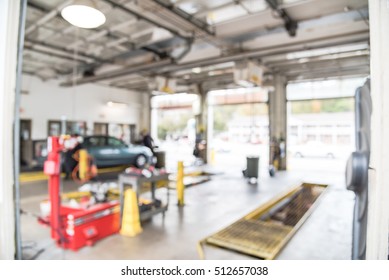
343	139
326	139
76	127
54	128
311	137
293	129
323	89
115	142
96	141
238	96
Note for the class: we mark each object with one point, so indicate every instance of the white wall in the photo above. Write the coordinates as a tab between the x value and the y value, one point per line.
46	100
378	211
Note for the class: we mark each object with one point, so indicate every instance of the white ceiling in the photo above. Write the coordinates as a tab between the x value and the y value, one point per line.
142	39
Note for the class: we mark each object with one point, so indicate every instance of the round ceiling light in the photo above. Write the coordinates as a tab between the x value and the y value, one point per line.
83	14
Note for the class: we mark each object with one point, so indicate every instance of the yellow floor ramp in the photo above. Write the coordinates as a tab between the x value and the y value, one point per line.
266	230
29	177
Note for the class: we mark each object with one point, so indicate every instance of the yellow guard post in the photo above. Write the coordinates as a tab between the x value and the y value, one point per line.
83	164
212	157
180	183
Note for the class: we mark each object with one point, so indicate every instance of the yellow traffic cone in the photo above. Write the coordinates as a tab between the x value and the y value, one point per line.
131	220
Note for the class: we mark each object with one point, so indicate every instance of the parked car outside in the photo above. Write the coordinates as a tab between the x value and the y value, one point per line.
314	149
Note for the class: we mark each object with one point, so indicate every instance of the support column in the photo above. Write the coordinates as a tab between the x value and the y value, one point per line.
278	114
154	123
378	211
202	121
145	112
9	23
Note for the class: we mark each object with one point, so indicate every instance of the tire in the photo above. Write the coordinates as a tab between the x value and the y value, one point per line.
298	155
140	161
330	155
272	171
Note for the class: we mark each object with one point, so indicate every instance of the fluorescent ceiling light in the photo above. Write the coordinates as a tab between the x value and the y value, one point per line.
327	51
245	84
116	104
83	14
156	92
196	70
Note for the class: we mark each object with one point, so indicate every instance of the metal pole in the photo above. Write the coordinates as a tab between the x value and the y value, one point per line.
54	184
16	148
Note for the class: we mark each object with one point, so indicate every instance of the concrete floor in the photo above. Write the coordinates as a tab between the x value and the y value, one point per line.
209	207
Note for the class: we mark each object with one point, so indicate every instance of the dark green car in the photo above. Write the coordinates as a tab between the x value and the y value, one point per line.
111	151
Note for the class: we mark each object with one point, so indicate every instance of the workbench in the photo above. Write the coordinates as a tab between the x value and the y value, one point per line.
136	183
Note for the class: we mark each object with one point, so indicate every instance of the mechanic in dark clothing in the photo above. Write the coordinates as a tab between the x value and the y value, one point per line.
147	140
69	162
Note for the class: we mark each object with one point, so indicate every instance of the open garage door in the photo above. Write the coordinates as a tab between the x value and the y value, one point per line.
321	124
238	126
173	127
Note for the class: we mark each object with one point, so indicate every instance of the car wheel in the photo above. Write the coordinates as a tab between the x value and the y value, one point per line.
330	155
140	161
298	155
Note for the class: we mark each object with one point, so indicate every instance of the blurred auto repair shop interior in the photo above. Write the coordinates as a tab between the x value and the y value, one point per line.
250	129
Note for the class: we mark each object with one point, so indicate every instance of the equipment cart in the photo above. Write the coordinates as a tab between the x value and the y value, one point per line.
137	183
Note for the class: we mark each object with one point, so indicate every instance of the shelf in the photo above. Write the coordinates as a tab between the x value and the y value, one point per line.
136	183
146	215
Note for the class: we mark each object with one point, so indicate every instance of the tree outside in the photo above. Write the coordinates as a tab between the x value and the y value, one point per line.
334	105
172	124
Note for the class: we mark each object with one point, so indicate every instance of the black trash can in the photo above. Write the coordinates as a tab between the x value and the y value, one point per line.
252	169
160	155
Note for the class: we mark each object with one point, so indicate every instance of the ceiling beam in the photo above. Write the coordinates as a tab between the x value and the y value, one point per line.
51	54
138	85
289	24
62	49
272	50
160	54
277	61
138	50
167	66
195	22
140	16
195	80
319	62
121	72
330	74
173	15
48	16
97	32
